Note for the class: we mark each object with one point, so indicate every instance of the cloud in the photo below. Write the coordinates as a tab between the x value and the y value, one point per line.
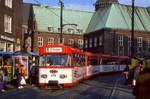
80	6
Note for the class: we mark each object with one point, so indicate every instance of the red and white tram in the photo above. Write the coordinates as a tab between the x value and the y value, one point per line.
66	66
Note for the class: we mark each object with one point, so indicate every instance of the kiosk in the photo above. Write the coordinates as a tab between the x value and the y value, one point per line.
28	59
6	63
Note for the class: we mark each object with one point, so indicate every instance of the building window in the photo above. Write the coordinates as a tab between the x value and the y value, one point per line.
7	24
86	43
100	40
90	42
9	47
80	42
129	46
50	29
50	41
120	51
148	45
120	40
40	41
80	31
8	3
140	41
129	41
71	41
24	30
70	30
95	41
62	41
2	46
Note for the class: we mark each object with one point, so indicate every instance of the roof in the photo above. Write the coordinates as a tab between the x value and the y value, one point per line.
101	1
26	9
25	54
118	16
47	16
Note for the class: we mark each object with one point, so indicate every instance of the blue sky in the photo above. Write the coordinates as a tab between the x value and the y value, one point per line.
85	4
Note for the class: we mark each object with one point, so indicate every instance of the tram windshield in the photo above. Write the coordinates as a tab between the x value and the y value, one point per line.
54	60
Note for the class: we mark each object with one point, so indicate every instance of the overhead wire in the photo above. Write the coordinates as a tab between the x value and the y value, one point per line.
56	14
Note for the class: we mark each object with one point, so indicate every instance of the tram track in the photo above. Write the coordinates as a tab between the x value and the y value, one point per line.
114	88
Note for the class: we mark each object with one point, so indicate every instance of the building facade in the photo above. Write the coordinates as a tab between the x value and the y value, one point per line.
10	25
109	31
44	27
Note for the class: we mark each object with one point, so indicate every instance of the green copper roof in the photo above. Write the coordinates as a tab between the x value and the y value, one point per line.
117	16
50	17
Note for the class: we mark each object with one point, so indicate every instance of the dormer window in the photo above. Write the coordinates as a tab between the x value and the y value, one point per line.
50	29
70	30
80	31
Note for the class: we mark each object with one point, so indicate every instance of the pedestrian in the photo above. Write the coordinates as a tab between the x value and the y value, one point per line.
126	71
20	73
142	87
138	69
2	84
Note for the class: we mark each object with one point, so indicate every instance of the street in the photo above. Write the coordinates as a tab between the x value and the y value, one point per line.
100	87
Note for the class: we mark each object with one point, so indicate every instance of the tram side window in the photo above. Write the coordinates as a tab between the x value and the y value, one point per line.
93	60
76	59
109	61
79	59
100	61
82	60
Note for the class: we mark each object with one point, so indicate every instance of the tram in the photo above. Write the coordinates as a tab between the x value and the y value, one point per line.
65	66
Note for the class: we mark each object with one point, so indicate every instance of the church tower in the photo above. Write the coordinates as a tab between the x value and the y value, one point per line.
103	3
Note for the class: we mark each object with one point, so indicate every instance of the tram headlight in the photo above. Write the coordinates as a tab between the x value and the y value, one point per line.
62	76
43	76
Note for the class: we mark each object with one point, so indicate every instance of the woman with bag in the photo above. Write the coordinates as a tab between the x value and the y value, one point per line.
21	73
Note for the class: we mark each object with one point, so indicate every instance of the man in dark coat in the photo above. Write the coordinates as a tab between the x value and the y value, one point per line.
142	87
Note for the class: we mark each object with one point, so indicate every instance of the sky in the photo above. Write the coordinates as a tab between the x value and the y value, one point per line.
84	4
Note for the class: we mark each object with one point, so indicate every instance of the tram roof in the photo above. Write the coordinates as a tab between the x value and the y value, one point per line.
65	49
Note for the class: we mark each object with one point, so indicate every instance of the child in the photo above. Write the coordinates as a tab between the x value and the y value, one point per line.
2	81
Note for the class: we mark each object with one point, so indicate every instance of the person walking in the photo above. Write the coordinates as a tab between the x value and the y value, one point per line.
138	69
142	87
2	85
126	71
20	73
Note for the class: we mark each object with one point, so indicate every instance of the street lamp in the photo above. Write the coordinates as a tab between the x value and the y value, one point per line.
132	34
61	21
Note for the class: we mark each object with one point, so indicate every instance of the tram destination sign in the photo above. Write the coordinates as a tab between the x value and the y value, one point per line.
54	49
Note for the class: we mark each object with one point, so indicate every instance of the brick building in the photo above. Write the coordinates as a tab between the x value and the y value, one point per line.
44	26
109	31
10	25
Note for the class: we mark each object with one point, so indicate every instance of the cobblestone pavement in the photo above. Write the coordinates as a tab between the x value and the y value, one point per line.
100	87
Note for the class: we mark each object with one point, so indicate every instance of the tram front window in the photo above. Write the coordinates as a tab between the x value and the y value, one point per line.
54	60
